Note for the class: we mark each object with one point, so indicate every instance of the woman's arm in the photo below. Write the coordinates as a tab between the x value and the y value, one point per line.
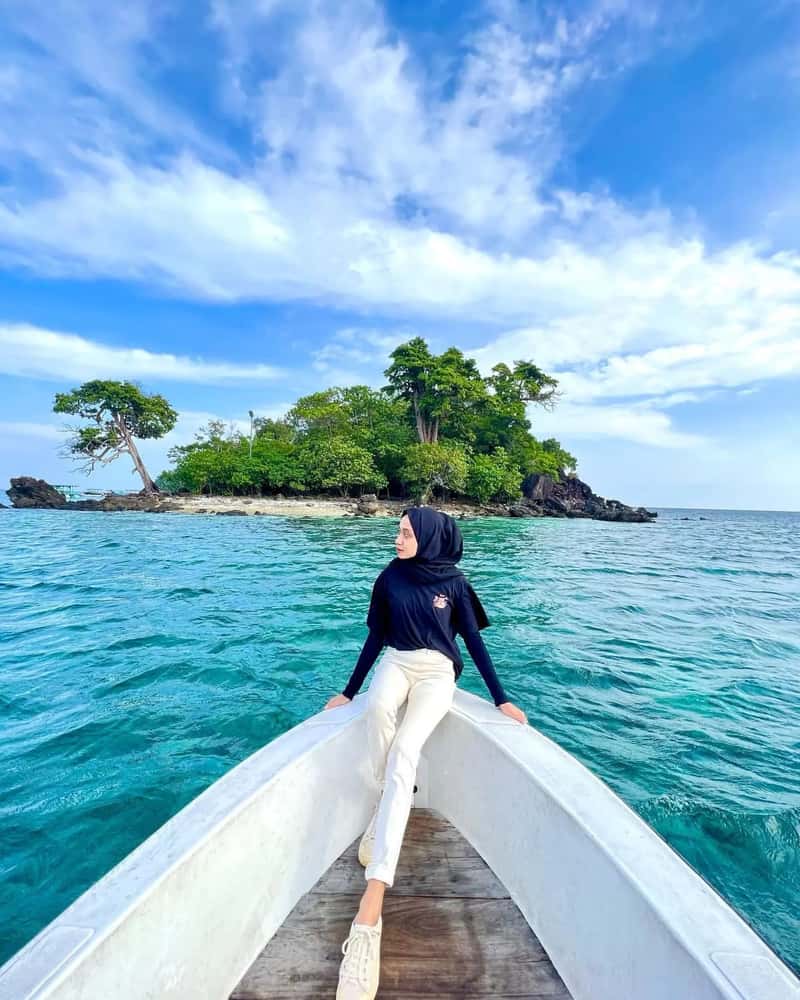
469	618
369	654
480	654
377	623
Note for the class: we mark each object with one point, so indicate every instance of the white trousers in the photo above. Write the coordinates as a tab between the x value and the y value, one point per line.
426	680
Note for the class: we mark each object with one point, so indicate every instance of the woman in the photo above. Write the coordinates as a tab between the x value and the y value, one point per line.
419	602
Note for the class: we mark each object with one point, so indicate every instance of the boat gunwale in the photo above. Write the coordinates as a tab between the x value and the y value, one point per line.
606	828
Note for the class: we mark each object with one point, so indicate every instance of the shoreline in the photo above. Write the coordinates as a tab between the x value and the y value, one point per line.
543	498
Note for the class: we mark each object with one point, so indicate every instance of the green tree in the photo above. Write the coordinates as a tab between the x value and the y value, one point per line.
409	380
524	383
441	390
565	461
321	413
209	470
438	426
381	425
503	421
120	412
338	463
172	481
545	457
494	476
278	465
428	467
222	460
364	416
267	428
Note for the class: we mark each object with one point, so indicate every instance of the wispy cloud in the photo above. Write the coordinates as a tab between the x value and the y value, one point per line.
36	353
191	228
371	176
436	217
23	428
366	350
641	422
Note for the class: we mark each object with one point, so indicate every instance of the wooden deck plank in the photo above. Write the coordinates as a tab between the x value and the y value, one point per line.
435	861
461	936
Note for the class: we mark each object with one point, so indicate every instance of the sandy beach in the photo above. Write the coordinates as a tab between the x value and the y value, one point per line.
293	507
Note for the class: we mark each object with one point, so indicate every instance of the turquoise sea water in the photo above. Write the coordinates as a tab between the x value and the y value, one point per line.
143	656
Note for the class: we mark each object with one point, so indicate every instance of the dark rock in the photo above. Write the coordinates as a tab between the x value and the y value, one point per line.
368	504
25	491
558	505
537	487
571	497
521	510
231	513
495	509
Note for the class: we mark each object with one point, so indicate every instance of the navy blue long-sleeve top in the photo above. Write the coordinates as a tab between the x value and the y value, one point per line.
411	615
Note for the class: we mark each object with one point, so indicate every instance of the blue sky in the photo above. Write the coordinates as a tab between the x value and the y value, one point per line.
236	203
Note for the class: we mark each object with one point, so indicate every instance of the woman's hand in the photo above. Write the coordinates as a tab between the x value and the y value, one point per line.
336	700
510	709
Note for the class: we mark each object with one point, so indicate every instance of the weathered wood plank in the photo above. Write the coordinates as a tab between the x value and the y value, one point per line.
435	861
440	945
429	946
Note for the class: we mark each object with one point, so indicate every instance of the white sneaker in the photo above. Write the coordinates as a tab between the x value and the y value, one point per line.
368	839
360	968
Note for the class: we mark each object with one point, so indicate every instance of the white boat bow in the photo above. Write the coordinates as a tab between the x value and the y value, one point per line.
620	914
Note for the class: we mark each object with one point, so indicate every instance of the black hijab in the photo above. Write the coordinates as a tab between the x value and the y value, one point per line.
440	546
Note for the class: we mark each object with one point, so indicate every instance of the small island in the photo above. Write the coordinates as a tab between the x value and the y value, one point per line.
439	432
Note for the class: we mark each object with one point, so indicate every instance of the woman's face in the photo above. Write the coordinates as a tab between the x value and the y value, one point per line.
406	542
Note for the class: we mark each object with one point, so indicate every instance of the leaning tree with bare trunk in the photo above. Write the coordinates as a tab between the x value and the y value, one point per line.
119	412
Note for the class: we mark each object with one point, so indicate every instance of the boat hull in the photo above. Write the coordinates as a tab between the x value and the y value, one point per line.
184	915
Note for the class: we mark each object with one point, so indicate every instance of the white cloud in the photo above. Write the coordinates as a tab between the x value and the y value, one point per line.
189	227
381	181
360	347
675	325
30	351
640	422
435	216
86	66
22	428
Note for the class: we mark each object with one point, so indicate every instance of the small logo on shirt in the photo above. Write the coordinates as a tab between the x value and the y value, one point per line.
440	601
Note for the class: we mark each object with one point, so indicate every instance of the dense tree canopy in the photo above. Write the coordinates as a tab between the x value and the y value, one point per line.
439	428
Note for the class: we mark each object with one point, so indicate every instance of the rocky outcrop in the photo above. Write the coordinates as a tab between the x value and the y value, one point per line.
25	491
368	505
571	497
